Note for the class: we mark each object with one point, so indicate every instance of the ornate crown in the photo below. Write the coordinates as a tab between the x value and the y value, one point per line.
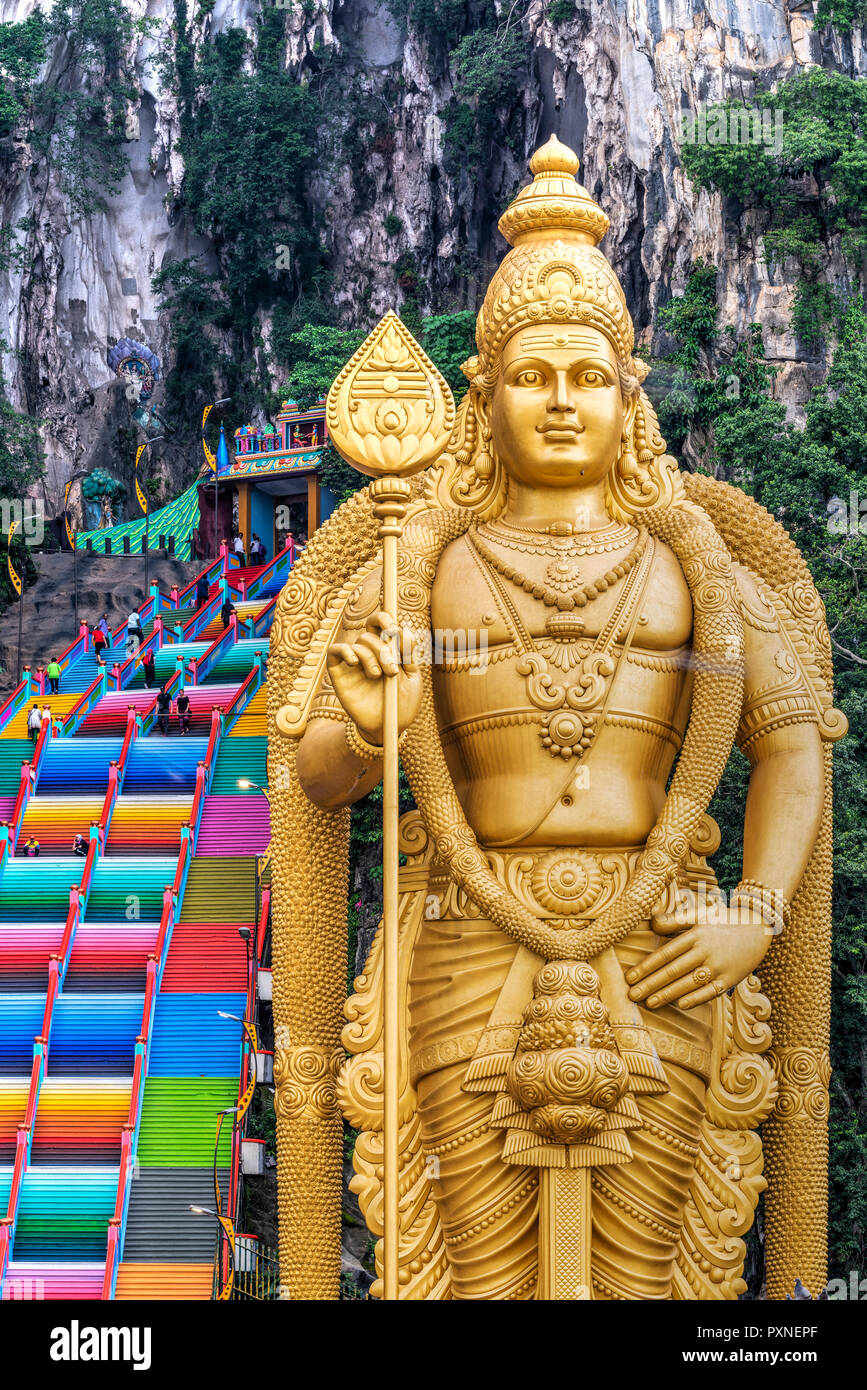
554	273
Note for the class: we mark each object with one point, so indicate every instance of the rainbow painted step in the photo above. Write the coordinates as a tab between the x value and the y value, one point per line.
240	822
191	1053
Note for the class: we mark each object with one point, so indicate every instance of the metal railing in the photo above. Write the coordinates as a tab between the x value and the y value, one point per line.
257	1273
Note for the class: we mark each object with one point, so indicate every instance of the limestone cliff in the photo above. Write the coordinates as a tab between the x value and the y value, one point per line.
612	79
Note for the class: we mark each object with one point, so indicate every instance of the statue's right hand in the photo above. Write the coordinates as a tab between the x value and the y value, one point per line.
360	669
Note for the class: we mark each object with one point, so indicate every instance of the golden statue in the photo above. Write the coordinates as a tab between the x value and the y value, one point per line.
584	1048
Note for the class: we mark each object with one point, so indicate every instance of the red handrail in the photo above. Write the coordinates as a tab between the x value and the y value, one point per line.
115	1221
125	1147
82	706
180	868
150	989
216	565
264	572
242	696
45	733
129	738
210	609
226	639
137	1085
165	920
25	789
198	796
20	807
217	723
129	664
9	709
28	781
73	917
109	803
50	997
33	1093
258	621
264	912
92	855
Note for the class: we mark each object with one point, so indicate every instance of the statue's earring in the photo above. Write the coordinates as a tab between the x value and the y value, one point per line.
627	463
483	464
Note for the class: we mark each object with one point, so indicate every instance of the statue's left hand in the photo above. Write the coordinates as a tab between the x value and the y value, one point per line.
700	963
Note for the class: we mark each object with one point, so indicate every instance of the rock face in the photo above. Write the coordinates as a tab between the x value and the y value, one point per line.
612	80
114	585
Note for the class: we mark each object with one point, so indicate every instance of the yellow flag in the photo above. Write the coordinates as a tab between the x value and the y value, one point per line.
13	573
143	502
69	536
210	457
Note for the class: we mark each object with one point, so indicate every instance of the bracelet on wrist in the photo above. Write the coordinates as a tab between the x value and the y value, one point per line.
360	746
772	905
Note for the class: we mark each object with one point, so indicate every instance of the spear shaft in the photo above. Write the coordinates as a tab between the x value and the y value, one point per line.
390	414
390	497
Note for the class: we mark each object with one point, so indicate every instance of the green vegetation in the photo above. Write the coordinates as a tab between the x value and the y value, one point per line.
794	472
78	121
13	253
485	51
448	340
715	388
317	353
198	318
22	50
487	64
812	188
438	21
21	458
21	465
246	136
246	139
843	14
561	11
80	125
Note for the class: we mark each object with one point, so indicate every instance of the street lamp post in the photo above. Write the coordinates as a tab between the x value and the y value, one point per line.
21	595
144	502
70	534
224	400
229	1232
263	860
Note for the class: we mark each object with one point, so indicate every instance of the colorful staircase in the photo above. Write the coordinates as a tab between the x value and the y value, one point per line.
117	967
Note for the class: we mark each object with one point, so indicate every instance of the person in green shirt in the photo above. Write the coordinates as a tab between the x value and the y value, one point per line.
53	674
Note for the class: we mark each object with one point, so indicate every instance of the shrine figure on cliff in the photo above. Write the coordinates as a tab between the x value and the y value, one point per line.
592	1033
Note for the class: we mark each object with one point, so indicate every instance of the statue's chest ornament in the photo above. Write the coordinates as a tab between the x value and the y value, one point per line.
572	713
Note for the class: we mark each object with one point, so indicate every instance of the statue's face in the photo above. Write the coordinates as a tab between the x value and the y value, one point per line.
557	413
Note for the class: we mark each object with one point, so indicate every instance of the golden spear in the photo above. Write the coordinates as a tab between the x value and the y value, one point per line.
390	414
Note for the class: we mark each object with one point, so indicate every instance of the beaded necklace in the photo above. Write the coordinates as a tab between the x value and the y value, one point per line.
562	591
562	539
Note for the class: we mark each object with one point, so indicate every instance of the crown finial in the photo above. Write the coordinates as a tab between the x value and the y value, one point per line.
554	158
555	202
